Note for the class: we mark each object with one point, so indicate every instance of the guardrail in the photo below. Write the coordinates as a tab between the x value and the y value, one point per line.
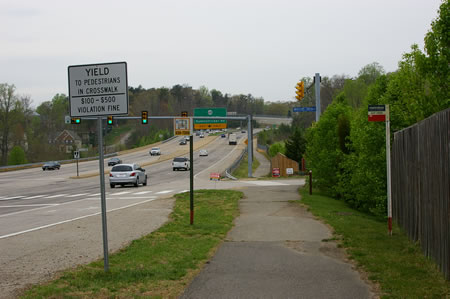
236	163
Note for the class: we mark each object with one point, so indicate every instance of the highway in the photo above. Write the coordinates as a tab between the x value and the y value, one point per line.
33	199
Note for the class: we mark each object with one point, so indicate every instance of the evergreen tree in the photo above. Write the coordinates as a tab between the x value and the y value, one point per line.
296	145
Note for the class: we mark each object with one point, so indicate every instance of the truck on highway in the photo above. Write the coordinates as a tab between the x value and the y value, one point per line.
232	139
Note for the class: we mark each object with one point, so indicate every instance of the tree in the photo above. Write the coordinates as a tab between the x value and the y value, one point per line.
296	145
8	101
17	156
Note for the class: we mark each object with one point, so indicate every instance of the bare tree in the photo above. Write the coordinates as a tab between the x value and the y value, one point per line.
7	103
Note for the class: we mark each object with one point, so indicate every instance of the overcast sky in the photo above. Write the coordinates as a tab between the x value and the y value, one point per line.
238	47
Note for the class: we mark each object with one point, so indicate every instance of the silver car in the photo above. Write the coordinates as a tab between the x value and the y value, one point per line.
125	174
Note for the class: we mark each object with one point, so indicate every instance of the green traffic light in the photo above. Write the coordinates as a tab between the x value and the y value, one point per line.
77	120
144	121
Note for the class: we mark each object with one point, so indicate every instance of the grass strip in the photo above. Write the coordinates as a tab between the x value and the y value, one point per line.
159	265
242	170
394	262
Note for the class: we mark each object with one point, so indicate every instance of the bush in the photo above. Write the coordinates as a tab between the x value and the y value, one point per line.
17	156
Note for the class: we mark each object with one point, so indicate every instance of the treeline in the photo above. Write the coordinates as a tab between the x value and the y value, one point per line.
27	135
346	152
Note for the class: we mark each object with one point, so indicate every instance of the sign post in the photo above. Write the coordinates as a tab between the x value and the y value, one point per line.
76	155
381	113
99	90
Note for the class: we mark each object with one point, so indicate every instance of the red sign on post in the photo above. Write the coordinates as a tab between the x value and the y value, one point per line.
276	172
377	112
214	176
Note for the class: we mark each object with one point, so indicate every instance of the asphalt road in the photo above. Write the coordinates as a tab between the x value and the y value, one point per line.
32	199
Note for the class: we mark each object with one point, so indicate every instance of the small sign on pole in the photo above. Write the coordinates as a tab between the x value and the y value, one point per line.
377	112
182	126
289	170
276	172
381	113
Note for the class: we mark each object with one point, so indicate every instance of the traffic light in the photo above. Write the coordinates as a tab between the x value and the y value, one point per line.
300	90
184	114
75	120
109	120
144	117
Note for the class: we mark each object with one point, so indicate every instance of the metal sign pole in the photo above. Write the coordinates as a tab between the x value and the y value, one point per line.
191	158
102	194
77	168
388	165
249	146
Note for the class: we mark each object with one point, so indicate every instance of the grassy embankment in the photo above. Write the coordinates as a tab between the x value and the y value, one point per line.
160	264
242	171
394	262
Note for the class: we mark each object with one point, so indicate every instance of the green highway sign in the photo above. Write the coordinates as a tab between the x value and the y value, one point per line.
200	124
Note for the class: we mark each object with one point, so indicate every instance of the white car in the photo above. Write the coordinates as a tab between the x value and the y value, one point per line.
155	151
125	174
203	152
181	163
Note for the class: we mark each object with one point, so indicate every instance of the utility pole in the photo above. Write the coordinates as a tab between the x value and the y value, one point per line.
317	88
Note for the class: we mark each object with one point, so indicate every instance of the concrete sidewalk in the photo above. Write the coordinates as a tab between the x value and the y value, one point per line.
277	250
264	164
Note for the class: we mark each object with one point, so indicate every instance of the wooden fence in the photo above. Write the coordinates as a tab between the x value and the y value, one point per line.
421	185
283	163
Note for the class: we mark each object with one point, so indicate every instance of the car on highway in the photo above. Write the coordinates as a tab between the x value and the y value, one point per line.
203	152
181	163
202	135
243	131
126	174
114	161
155	151
51	165
183	141
223	136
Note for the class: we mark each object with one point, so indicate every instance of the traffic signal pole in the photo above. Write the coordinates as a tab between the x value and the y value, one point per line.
317	88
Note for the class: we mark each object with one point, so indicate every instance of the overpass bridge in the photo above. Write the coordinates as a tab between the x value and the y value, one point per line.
272	119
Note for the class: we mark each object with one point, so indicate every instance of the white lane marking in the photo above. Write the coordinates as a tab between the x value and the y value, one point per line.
40	208
120	193
164	192
70	220
57	195
37	196
265	183
226	156
51	211
136	197
14	197
36	205
80	194
96	194
182	191
143	192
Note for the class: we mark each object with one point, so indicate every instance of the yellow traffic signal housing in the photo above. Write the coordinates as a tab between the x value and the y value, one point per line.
75	120
144	117
300	90
184	114
109	120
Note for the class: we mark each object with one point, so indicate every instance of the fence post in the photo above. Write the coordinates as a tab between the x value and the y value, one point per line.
310	182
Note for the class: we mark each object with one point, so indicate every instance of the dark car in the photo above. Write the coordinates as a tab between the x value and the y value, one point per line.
223	136
183	142
114	161
52	165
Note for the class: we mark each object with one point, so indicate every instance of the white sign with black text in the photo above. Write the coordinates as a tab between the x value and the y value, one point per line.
98	89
